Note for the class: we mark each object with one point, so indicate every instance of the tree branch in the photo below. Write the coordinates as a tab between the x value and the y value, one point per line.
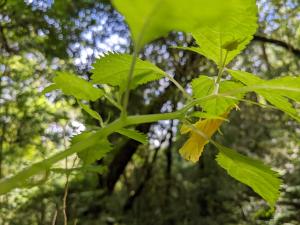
292	49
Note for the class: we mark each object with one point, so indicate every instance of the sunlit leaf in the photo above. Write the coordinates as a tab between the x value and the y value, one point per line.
226	38
204	86
113	69
276	91
71	84
253	173
151	19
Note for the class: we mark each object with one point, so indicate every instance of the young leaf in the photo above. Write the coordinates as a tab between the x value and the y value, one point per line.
113	69
204	86
253	173
71	84
151	19
97	151
278	98
135	135
91	112
225	39
194	146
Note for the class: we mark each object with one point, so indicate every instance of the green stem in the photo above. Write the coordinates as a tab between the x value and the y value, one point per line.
178	86
18	180
22	177
130	75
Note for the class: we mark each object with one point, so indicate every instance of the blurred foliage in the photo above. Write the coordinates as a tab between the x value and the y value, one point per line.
155	185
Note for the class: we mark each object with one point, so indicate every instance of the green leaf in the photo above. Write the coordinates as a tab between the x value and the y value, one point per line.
71	84
151	19
204	86
91	112
135	135
113	69
287	88
225	39
253	173
97	151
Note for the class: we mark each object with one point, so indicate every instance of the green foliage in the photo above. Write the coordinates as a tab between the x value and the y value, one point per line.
226	38
251	172
222	30
204	86
95	152
279	98
91	112
149	20
135	135
113	69
71	84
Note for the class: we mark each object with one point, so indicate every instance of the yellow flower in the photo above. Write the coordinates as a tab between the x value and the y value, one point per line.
194	146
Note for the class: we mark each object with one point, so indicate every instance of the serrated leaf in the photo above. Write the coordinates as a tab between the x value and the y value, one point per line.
193	147
113	69
221	104
225	39
151	19
277	98
253	173
97	151
91	112
204	86
71	84
135	135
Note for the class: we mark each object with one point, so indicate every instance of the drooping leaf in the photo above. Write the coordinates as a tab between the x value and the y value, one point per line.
194	146
113	69
71	84
253	173
91	112
226	38
97	151
204	86
135	135
151	19
288	87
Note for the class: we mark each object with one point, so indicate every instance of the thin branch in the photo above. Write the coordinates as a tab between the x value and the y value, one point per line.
289	47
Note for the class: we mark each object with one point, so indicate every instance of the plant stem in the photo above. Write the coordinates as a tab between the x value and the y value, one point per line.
178	86
18	180
130	75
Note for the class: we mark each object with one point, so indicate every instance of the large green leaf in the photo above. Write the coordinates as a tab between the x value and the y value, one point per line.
113	69
253	173
226	38
97	151
276	91
151	19
71	84
204	86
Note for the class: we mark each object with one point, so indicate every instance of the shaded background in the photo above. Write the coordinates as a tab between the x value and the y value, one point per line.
137	184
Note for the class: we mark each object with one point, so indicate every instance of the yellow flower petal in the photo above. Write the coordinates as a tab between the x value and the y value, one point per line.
194	146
